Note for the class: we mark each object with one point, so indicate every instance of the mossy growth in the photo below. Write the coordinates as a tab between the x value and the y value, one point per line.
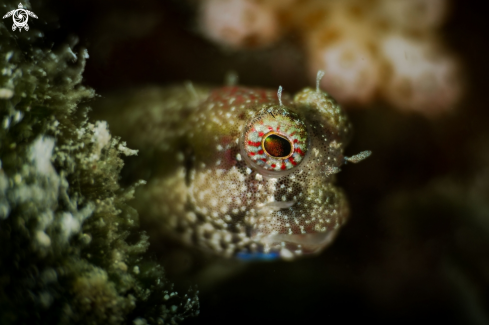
70	248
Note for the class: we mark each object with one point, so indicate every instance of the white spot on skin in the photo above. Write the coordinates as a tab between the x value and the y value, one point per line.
286	254
315	151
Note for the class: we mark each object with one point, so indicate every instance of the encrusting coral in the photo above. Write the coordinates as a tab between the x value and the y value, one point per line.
390	48
70	250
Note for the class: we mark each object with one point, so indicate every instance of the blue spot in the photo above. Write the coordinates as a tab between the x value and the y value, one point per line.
257	256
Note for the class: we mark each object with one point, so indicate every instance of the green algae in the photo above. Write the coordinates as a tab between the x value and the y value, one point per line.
70	248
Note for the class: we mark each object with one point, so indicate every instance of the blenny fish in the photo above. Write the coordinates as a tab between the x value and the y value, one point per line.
238	171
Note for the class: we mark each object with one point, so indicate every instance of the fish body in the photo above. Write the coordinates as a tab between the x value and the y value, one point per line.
237	171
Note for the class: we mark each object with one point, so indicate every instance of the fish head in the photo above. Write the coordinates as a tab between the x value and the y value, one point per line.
263	170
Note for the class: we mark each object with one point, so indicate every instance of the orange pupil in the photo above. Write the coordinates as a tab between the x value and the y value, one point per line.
276	146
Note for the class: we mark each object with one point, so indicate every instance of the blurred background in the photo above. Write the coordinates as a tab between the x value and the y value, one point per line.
412	75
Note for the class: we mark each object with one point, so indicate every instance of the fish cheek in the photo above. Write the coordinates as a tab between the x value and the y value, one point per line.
219	195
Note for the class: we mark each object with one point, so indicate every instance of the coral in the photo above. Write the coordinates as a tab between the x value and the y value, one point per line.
240	23
71	251
389	48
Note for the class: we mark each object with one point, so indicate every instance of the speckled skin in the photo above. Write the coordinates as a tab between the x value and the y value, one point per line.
202	188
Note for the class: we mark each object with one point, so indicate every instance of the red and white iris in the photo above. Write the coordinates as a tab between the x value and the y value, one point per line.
276	142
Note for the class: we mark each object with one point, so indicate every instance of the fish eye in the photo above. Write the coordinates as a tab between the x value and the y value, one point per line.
275	140
277	146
